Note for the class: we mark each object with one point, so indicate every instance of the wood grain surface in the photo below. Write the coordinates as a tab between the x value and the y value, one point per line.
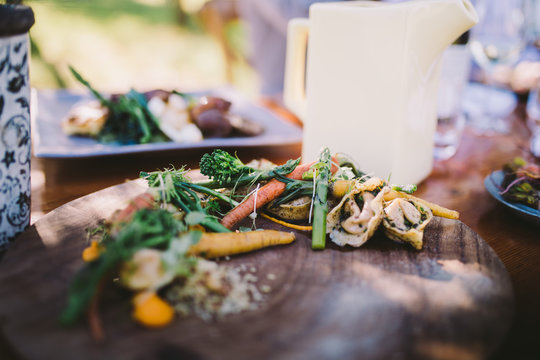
452	300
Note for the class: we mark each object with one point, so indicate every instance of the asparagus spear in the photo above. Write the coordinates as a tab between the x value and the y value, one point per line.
320	208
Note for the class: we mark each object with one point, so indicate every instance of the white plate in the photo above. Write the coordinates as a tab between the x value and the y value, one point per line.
49	141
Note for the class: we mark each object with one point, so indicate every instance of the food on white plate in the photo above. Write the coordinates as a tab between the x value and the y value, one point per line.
174	120
211	116
85	118
155	116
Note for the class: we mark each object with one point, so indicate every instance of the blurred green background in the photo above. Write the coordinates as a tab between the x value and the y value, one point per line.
144	44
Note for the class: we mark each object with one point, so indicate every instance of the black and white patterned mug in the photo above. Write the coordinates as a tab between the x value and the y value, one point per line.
15	145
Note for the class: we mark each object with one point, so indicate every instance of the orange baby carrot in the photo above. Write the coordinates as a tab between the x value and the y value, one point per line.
144	200
263	196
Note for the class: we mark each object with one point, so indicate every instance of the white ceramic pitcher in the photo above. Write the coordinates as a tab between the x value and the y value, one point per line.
369	88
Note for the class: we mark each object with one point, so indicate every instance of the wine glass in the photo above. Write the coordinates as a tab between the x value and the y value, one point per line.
497	39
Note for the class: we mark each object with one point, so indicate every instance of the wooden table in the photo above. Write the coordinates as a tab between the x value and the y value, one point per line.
456	183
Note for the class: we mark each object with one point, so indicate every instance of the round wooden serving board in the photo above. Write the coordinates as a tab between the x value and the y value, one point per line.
452	300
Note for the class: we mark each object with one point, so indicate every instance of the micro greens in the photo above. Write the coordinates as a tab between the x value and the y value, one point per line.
174	187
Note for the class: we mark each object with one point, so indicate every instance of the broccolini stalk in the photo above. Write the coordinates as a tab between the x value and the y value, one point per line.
226	170
320	208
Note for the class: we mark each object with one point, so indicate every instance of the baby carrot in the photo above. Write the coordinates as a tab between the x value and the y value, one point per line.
214	245
144	200
263	196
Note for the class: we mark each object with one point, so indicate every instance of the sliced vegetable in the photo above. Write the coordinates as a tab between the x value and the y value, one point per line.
297	209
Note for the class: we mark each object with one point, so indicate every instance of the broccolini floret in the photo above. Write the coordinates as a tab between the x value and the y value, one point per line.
226	170
222	167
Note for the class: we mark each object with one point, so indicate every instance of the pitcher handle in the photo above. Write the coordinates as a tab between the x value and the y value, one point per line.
294	94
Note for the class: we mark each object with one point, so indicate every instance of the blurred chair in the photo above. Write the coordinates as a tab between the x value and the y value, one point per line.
215	16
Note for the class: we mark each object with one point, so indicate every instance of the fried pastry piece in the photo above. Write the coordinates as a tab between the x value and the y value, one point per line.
405	220
354	220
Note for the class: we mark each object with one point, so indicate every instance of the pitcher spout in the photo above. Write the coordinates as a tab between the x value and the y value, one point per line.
437	24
